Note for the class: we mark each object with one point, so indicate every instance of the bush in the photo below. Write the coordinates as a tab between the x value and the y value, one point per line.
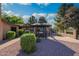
58	34
20	32
28	42
10	35
69	32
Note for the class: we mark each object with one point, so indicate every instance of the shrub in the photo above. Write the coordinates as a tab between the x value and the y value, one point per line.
58	34
28	42
69	32
20	32
10	35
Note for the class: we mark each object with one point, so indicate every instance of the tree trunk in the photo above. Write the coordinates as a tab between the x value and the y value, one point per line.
65	32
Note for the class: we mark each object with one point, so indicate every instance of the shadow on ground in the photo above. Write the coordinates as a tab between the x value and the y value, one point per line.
3	41
49	47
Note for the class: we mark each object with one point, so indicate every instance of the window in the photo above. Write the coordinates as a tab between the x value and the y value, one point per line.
13	29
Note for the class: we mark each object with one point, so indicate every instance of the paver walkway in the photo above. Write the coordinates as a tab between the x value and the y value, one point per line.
69	42
47	47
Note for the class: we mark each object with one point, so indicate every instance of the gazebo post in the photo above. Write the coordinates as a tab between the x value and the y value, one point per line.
44	27
45	32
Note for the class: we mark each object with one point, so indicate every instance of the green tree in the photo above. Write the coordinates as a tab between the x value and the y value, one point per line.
12	19
61	16
63	9
59	27
42	20
72	20
32	20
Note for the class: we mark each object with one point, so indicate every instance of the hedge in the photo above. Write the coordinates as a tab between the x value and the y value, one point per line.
20	32
28	42
10	35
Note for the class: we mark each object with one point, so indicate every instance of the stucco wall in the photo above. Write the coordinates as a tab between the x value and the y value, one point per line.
0	25
1	30
6	27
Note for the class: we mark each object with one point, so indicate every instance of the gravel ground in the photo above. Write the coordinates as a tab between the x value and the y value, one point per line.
44	48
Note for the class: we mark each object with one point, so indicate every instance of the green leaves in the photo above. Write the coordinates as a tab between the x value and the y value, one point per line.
12	19
28	42
10	35
61	22
59	26
32	20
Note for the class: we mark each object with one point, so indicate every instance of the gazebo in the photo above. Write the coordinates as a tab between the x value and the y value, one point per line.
41	29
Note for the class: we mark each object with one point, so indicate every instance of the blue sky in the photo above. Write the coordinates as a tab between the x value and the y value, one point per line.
29	9
48	10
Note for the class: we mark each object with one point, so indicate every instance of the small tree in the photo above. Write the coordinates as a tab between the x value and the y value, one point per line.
32	20
59	24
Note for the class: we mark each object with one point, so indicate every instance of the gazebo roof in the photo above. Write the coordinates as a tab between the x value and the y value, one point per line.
41	24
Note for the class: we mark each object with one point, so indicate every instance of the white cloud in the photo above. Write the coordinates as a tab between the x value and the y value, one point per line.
42	14
39	14
50	18
34	14
51	15
26	18
10	13
25	3
45	4
42	5
6	4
